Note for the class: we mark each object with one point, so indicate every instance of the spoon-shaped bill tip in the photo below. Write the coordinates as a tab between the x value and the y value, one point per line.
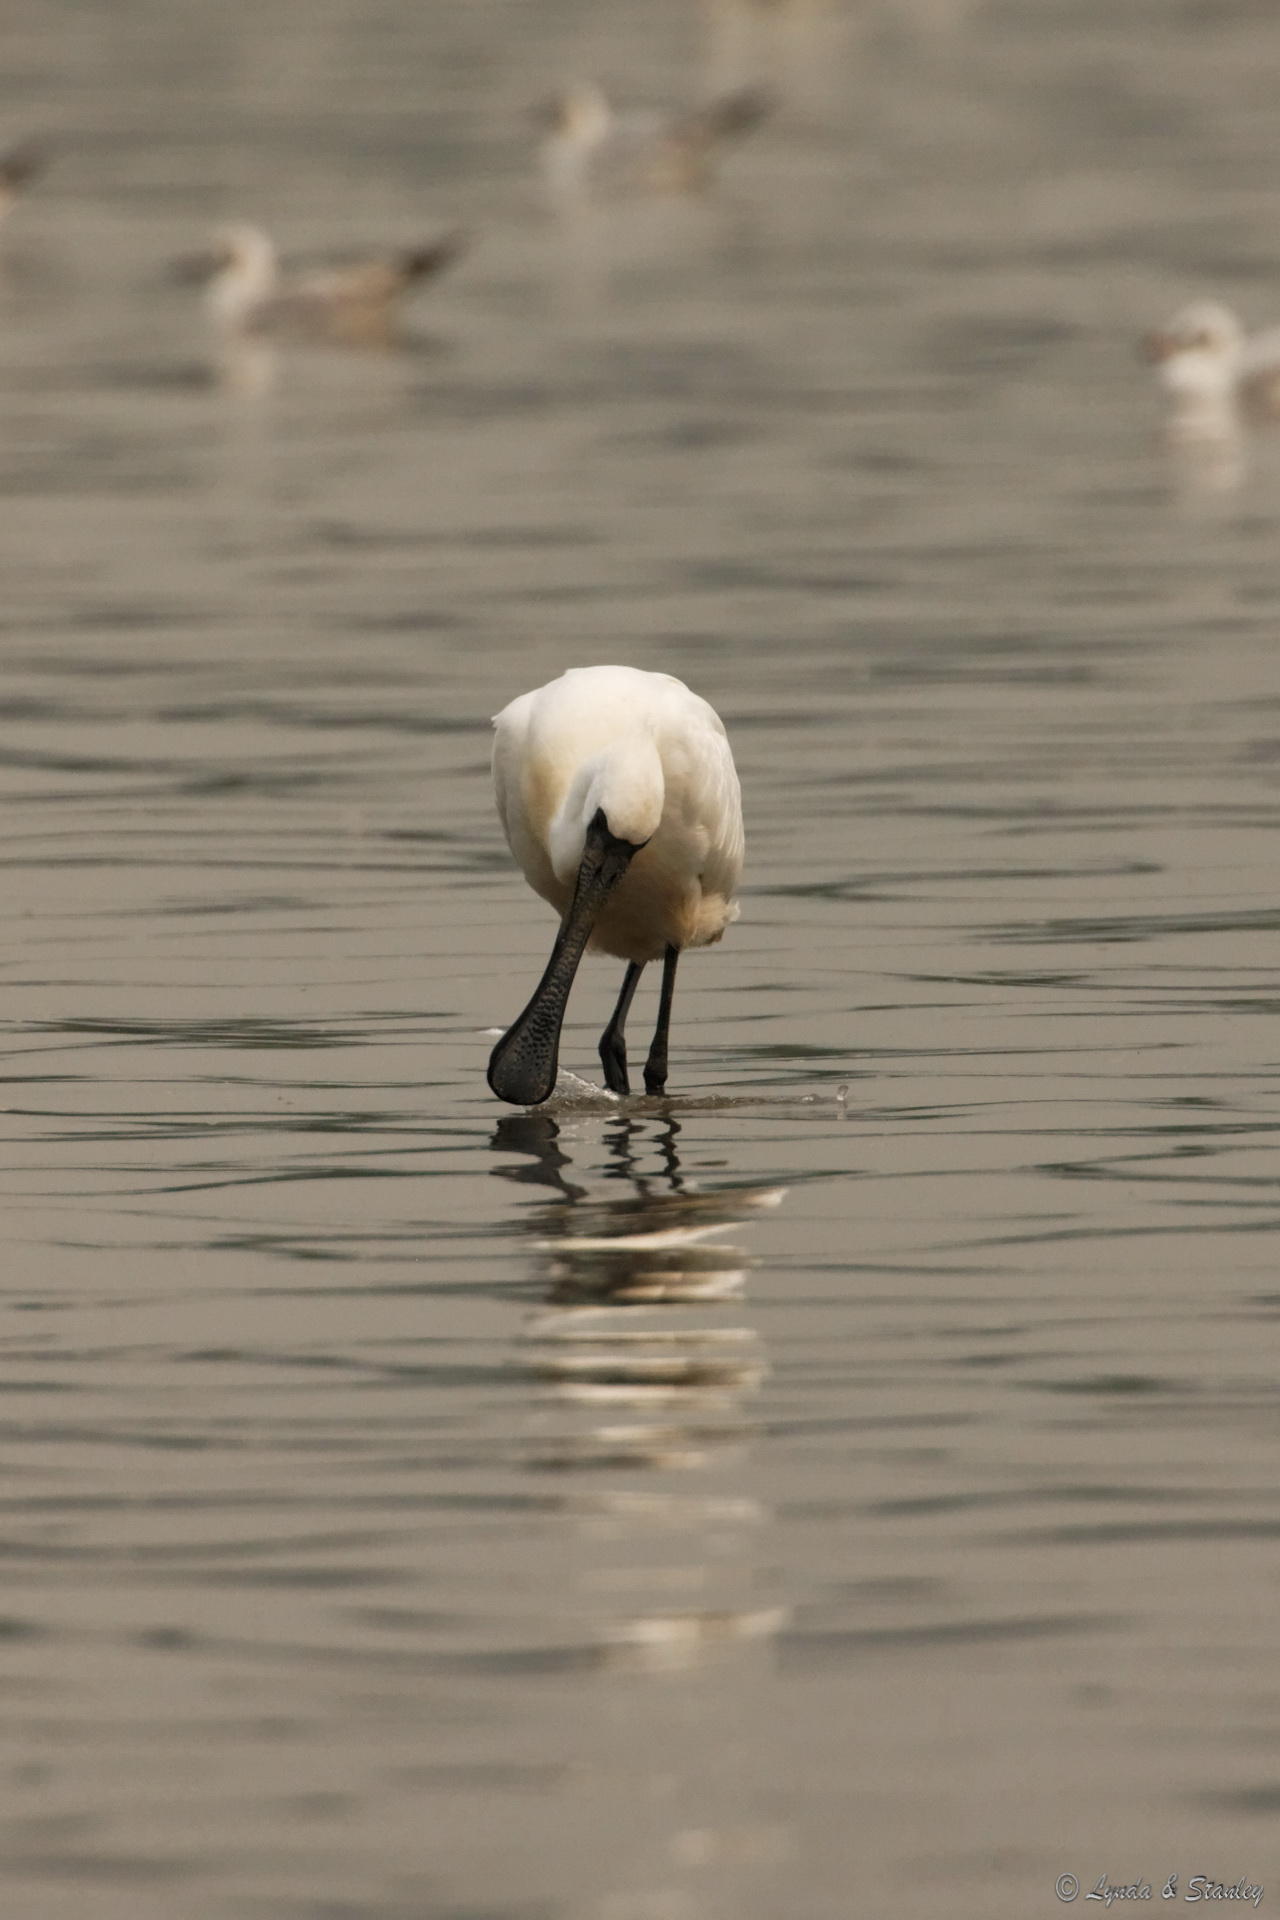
522	1067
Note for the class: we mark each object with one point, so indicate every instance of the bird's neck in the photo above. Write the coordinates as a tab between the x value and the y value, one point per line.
251	278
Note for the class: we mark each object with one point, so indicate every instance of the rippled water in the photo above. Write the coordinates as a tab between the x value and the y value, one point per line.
847	1487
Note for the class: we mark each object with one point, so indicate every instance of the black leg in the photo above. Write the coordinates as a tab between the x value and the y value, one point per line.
655	1067
613	1044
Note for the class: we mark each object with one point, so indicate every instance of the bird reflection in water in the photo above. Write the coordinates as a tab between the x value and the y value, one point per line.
1204	464
648	1370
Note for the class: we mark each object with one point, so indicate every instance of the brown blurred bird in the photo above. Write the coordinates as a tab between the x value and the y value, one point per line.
591	148
248	293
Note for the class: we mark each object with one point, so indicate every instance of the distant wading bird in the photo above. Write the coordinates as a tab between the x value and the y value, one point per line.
620	801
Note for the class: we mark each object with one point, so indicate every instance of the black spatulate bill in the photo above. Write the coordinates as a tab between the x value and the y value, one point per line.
522	1067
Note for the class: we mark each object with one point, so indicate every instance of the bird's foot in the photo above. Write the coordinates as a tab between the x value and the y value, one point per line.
614	1061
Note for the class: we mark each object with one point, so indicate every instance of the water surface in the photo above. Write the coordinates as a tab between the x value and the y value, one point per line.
849	1486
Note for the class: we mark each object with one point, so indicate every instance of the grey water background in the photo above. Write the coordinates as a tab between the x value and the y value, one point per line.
850	1487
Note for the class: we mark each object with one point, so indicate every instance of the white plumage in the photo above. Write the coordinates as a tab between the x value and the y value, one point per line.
620	801
1207	364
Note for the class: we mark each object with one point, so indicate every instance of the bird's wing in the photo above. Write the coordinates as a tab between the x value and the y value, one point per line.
353	299
727	115
626	155
522	797
366	281
380	277
714	800
730	842
419	263
509	730
304	308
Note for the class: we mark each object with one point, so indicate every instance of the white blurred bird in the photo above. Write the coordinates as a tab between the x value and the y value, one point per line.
620	801
594	149
1209	367
247	292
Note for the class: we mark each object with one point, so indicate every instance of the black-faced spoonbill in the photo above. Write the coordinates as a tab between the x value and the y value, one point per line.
620	801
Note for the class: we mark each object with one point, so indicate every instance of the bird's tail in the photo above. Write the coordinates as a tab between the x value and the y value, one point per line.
729	115
419	263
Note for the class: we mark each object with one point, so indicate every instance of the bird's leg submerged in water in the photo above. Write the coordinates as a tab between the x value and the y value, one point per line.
613	1044
655	1067
522	1067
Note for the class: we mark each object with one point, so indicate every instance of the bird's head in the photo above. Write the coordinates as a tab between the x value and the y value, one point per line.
624	784
237	269
1197	354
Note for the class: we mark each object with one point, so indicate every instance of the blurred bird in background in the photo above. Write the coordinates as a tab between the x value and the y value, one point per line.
592	148
1208	366
249	293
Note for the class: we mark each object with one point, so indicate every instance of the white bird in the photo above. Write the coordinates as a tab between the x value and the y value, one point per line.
353	304
594	148
620	801
1210	368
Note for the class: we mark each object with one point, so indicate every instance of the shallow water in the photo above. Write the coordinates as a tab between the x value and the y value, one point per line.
848	1486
